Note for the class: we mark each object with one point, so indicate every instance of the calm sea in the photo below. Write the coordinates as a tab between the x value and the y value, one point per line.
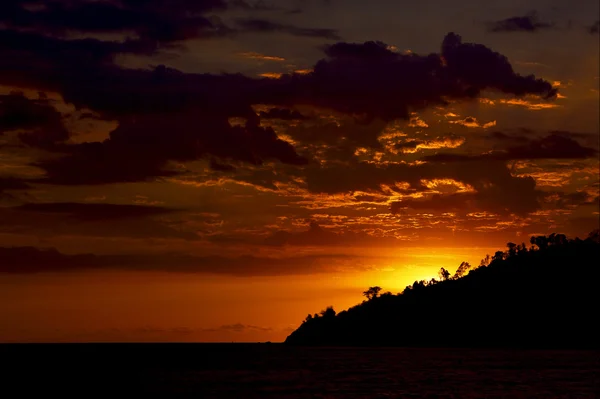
245	371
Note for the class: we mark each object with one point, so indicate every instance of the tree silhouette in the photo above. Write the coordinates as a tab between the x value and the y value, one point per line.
372	292
544	296
485	261
462	270
512	248
328	313
444	274
594	236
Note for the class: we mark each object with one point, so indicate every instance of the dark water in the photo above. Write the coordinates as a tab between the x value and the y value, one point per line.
275	371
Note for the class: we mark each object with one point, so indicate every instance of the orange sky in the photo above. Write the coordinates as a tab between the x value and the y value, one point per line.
217	207
159	306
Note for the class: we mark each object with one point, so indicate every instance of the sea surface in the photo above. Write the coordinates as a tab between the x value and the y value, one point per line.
246	371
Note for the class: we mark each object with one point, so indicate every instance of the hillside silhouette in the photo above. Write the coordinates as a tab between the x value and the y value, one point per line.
545	295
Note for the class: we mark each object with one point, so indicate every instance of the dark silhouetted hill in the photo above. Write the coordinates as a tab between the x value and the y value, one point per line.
546	295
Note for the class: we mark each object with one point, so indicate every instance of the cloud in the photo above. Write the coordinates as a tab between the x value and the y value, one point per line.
221	167
371	81
10	184
159	21
266	26
496	187
39	123
93	220
140	149
414	145
554	146
27	260
564	200
513	196
527	23
501	136
594	28
262	57
44	63
285	114
91	212
473	123
165	115
258	5
343	132
534	105
551	147
480	68
497	190
239	328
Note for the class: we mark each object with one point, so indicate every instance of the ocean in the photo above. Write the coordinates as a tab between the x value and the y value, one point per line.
246	371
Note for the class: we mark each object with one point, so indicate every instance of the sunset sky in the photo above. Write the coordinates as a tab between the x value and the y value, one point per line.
213	170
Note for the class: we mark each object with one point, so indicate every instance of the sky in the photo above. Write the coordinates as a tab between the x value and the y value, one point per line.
213	170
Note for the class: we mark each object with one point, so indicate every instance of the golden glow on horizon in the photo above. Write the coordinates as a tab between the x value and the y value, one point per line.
160	306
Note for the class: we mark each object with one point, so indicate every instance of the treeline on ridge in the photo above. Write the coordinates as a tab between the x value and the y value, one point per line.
546	295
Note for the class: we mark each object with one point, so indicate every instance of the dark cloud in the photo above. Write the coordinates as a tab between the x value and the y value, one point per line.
26	260
370	81
91	212
221	167
166	115
594	28
93	220
258	5
7	183
103	164
140	149
527	23
31	46
476	67
39	122
152	20
501	136
497	189
551	147
10	184
554	146
341	136
116	92
358	79
34	260
285	114
238	328
562	200
266	26
493	199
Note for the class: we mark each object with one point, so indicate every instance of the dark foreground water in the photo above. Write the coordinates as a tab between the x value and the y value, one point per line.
275	371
